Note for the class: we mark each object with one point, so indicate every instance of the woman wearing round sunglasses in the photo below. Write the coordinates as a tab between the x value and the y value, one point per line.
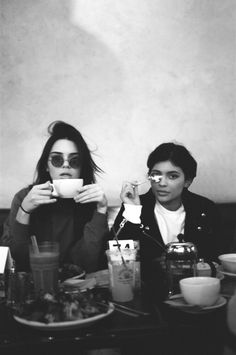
168	209
79	224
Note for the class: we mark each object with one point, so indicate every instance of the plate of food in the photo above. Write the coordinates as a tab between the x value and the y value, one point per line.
64	311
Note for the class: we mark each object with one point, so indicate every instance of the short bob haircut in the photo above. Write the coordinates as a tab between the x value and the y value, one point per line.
177	155
61	130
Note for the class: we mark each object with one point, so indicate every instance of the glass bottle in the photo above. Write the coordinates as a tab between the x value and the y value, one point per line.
11	285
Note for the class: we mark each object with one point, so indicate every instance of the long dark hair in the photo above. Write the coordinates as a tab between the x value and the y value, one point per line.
61	130
177	154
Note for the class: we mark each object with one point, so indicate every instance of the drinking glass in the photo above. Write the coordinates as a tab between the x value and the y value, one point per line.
44	264
121	266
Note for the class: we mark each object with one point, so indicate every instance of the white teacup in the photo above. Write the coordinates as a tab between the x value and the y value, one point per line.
66	188
228	262
200	290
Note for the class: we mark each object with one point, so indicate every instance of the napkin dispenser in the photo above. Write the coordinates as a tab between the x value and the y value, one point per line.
181	262
6	262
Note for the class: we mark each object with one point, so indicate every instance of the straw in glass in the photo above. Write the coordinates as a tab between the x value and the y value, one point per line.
116	238
34	244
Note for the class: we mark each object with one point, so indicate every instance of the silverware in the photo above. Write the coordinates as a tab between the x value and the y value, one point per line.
128	313
134	184
130	310
124	309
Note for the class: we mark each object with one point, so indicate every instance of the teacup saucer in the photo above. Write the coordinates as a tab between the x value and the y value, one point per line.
177	301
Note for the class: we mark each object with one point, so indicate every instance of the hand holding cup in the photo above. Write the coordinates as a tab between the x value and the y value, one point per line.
92	193
39	195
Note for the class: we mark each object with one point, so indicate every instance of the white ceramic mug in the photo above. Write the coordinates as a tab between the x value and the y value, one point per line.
66	188
200	291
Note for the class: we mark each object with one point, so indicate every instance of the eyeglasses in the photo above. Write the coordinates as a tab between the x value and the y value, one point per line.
58	161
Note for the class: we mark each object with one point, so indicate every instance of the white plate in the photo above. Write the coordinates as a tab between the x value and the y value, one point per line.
68	324
101	277
79	284
228	273
177	301
78	276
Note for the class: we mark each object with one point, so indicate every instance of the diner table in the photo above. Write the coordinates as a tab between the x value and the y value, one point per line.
165	330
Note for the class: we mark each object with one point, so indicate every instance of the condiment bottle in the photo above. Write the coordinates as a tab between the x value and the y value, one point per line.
11	285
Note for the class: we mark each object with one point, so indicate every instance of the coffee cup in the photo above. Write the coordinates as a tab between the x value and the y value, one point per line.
66	188
200	290
228	262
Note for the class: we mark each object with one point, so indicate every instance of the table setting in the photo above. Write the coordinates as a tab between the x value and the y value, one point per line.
116	314
119	281
63	298
73	303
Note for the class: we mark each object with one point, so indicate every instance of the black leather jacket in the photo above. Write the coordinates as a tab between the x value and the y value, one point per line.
202	227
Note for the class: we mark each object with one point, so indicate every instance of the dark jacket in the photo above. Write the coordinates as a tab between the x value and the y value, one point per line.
202	227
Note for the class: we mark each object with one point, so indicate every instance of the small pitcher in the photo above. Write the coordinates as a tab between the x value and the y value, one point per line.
181	262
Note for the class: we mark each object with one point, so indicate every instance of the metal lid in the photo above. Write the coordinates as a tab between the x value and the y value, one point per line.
181	250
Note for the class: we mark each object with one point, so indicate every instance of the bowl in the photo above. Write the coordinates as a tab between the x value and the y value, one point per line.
228	262
200	290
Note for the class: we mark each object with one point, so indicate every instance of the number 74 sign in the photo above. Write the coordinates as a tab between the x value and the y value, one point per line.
123	244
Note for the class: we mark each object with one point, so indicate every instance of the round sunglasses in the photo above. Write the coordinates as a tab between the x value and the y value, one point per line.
58	161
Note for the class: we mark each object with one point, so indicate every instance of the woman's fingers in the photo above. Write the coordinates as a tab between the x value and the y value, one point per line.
127	190
38	195
129	193
45	201
45	185
90	193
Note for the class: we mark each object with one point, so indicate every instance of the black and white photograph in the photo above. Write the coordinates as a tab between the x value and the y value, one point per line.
118	177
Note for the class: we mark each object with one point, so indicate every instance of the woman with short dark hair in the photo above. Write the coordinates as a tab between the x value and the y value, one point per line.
79	224
168	209
178	155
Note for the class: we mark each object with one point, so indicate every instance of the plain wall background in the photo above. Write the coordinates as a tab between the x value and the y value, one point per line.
129	74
